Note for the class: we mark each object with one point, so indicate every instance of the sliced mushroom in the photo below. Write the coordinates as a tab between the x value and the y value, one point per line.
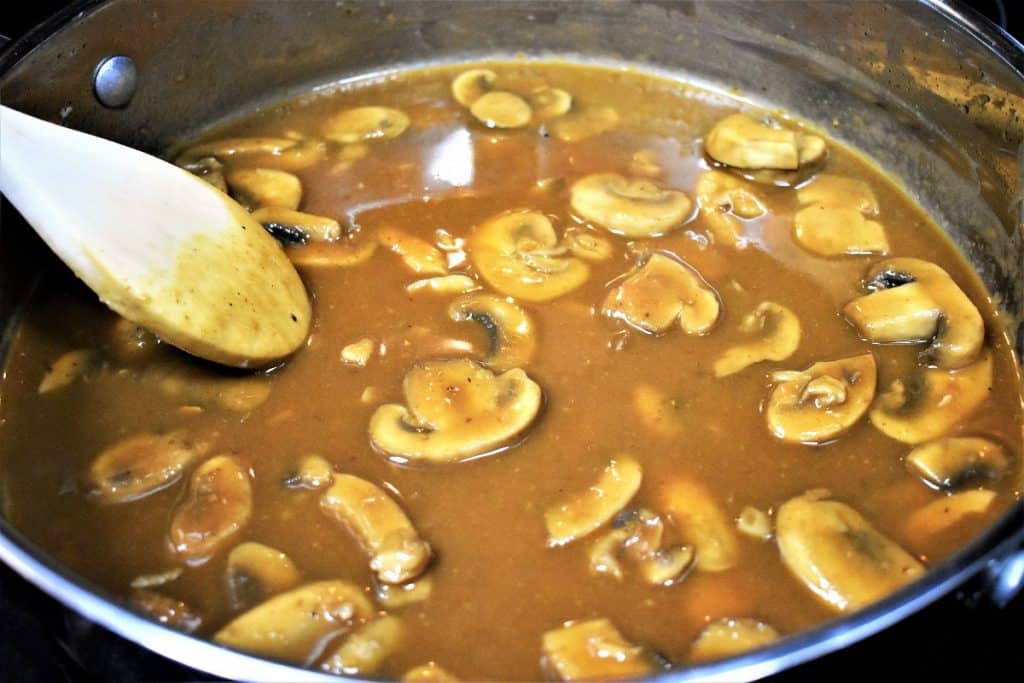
661	292
952	462
255	572
644	162
727	637
140	465
207	168
397	553
217	506
586	245
293	625
365	123
838	555
517	253
67	368
344	253
943	514
667	566
755	523
431	671
913	300
237	393
701	521
313	473
587	510
836	217
629	207
594	650
659	412
366	648
166	610
580	124
603	556
397	595
457	409
469	86
838	231
157	579
500	109
744	142
422	257
512	338
259	188
817	404
228	148
443	284
297	227
724	199
930	402
358	353
285	153
777	336
549	103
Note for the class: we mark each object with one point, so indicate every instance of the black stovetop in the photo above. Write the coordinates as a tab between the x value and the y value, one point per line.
963	636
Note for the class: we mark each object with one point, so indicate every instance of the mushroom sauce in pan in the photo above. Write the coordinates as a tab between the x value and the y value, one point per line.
606	376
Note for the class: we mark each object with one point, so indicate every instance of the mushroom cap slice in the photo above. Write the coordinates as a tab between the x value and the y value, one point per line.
701	521
744	142
443	284
500	109
258	188
835	191
661	291
837	231
594	650
817	404
835	218
915	300
218	505
778	336
587	510
930	402
726	637
957	460
724	199
255	572
838	555
629	207
457	409
365	123
397	553
292	625
585	244
137	466
366	648
297	227
584	123
421	257
471	85
166	610
549	103
941	515
510	331
517	253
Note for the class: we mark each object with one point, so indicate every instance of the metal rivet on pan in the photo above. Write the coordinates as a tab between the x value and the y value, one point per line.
114	81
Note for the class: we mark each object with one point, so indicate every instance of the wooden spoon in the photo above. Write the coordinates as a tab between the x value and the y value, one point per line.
160	246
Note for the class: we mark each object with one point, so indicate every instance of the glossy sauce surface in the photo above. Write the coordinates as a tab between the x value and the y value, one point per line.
497	586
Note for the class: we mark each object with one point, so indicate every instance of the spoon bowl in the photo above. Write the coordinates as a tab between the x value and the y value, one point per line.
158	245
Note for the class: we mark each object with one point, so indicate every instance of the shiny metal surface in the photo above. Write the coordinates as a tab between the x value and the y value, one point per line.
933	95
114	81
